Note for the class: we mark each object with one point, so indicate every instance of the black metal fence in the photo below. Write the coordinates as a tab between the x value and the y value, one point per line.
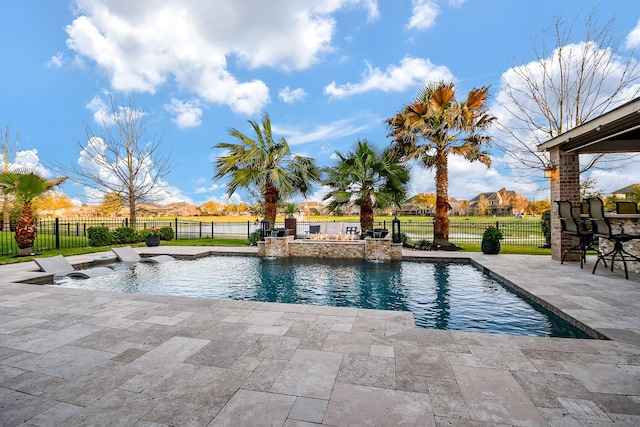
69	233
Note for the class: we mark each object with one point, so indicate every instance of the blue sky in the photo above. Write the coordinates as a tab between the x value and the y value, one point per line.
327	71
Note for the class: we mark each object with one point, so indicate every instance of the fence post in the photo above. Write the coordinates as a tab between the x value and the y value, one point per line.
57	233
176	222
126	222
212	229
248	230
200	229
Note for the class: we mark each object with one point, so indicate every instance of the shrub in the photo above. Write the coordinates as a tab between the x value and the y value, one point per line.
99	236
166	233
125	235
423	245
545	222
255	237
404	238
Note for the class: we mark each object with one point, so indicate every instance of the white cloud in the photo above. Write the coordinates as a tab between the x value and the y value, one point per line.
456	3
611	180
104	116
29	160
633	38
290	96
397	78
56	61
323	132
100	110
188	113
143	45
424	13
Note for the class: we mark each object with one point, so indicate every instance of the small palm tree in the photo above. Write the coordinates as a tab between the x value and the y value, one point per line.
26	185
290	209
266	165
367	178
445	126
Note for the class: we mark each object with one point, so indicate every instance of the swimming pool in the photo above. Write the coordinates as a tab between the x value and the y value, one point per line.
441	295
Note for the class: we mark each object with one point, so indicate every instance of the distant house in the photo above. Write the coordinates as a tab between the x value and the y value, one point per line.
498	203
312	208
409	209
626	192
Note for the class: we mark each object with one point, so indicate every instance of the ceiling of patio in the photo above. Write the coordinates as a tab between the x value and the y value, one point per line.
617	131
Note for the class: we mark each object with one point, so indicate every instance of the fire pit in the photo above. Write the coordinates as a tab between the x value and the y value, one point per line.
338	237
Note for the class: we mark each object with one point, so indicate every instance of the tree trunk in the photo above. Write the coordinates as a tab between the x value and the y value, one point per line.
132	209
26	231
441	220
270	201
366	214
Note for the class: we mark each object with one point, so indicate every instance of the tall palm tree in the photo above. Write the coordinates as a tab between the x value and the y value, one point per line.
26	185
266	165
436	125
367	178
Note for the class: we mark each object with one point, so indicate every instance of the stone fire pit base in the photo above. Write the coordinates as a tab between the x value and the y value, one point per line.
369	248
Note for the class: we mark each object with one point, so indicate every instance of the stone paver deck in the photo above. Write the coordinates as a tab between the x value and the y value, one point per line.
73	357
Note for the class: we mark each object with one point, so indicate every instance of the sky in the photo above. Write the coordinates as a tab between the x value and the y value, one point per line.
328	72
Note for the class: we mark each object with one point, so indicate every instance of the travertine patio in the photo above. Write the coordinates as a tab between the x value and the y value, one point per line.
71	357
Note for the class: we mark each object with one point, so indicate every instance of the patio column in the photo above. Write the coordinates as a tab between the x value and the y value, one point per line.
565	185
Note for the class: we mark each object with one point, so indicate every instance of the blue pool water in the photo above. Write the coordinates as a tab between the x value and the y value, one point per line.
441	295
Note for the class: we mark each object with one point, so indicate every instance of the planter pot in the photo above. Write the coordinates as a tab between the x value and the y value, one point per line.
152	240
490	247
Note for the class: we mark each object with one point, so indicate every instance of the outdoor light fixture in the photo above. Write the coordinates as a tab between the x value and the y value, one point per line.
264	228
395	230
549	169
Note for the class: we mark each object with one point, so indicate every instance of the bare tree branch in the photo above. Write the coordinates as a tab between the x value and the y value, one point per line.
120	158
562	89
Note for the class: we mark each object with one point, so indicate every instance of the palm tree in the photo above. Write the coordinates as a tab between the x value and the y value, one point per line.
367	178
265	165
445	126
26	185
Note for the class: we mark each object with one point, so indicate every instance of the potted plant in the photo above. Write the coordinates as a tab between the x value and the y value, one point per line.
491	240
151	236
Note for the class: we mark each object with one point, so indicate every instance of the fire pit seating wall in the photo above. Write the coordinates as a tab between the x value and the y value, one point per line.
378	249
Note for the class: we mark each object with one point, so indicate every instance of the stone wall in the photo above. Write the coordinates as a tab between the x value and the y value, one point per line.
327	249
275	247
370	249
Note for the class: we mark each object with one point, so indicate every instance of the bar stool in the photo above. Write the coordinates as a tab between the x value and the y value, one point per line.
602	227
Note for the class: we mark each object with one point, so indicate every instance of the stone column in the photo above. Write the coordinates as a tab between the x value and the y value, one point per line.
565	185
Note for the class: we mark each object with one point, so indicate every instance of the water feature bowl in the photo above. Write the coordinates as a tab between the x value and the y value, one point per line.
377	233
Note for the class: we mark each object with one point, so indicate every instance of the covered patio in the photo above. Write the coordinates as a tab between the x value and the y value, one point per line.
617	131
